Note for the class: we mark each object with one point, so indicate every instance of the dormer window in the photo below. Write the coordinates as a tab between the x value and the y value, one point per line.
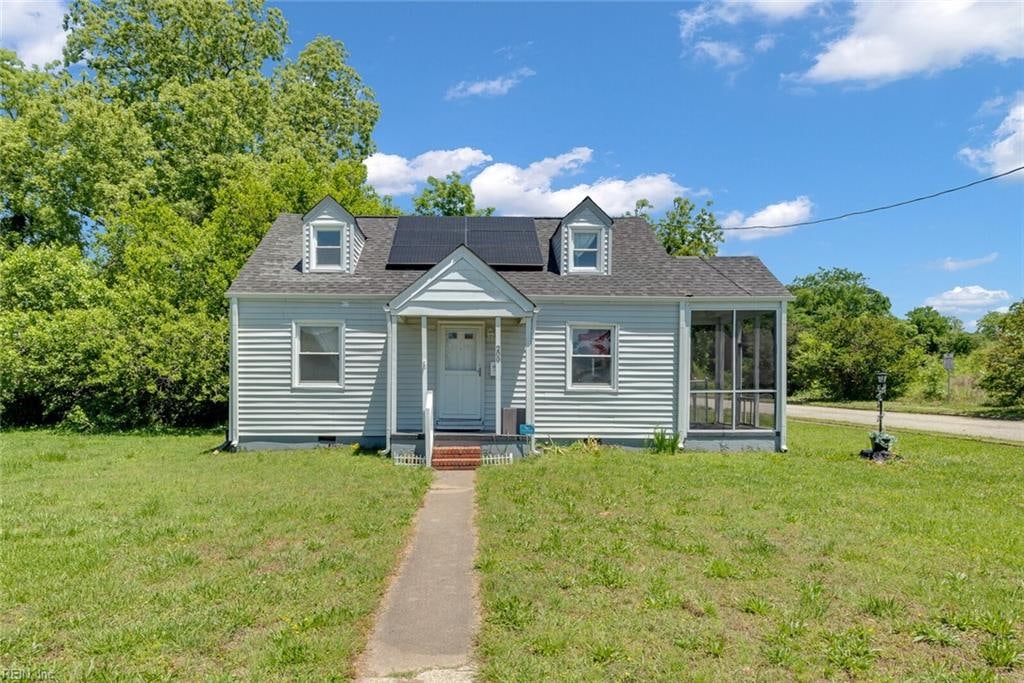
585	249
327	249
583	241
331	239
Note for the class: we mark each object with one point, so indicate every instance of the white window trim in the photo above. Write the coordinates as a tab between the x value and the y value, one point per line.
313	240
592	388
296	383
599	261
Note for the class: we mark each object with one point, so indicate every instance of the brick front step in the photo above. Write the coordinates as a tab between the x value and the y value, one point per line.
455	464
457	457
457	450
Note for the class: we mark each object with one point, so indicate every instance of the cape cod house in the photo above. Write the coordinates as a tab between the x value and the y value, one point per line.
450	336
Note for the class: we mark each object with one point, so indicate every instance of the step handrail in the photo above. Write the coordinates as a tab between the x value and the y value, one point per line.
428	427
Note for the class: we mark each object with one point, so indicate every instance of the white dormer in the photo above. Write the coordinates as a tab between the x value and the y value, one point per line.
332	240
584	240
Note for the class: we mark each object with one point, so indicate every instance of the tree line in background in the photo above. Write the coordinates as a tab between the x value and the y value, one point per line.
135	180
137	176
841	331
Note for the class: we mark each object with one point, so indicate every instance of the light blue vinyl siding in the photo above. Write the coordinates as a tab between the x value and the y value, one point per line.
268	405
646	366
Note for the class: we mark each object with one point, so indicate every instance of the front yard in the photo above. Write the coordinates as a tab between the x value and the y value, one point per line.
604	565
142	557
147	557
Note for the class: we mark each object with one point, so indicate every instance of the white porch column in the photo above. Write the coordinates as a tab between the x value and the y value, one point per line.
392	360
530	380
423	364
683	374
497	375
780	376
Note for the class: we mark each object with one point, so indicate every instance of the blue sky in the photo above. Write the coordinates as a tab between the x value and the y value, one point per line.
778	111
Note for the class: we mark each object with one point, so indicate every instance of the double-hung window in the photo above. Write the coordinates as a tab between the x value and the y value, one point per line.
327	248
585	247
592	350
318	350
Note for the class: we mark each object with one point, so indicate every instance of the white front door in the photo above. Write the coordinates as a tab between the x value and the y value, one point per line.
460	386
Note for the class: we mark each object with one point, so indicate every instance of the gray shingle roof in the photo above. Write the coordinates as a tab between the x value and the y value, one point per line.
640	267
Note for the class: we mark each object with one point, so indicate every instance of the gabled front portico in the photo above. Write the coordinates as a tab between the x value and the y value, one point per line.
451	333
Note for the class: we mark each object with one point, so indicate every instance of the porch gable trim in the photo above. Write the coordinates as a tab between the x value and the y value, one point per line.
515	303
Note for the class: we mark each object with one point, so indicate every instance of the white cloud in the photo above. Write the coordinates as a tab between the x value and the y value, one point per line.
692	22
33	29
992	105
489	88
765	43
967	299
722	54
953	264
1006	150
515	190
781	213
893	40
394	174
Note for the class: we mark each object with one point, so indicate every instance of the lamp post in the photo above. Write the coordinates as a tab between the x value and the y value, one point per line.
880	376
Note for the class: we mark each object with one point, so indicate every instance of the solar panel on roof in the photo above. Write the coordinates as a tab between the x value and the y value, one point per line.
498	240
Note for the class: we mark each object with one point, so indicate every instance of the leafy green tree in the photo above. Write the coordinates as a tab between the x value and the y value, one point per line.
321	108
681	231
134	186
834	292
839	357
48	278
152	248
841	331
448	197
68	155
988	325
937	333
1004	359
685	233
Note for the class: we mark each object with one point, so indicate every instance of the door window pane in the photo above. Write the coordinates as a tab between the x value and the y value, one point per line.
460	351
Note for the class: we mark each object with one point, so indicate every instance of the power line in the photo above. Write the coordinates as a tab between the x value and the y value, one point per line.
877	208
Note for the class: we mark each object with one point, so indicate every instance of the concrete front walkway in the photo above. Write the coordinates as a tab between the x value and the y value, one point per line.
431	611
997	430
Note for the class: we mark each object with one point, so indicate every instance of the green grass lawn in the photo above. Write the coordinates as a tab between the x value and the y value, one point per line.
928	408
814	564
147	557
